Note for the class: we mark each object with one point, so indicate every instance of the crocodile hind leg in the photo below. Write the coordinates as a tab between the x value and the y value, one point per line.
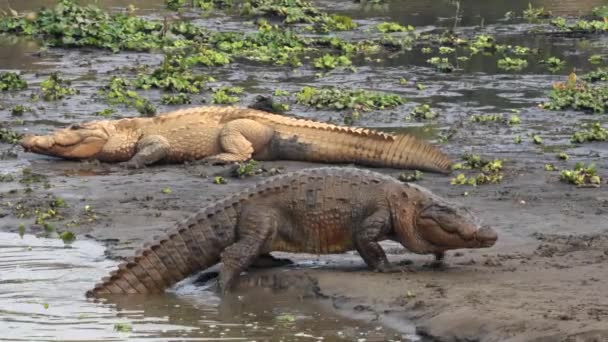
254	234
150	149
238	140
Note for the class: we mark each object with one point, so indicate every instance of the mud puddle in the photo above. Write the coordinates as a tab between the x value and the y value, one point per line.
42	285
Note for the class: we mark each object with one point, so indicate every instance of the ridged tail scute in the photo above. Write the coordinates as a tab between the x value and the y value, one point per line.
163	262
302	139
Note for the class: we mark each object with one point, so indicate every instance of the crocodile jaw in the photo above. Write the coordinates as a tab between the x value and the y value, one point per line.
74	142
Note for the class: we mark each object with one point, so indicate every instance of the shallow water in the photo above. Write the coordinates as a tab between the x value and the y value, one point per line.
42	286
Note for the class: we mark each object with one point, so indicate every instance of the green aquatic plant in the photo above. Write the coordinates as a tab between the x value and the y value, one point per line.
119	91
441	64
175	99
536	12
411	177
483	43
581	175
247	169
68	24
19	110
389	27
491	171
338	98
55	88
9	136
331	62
594	133
486	118
599	74
446	50
554	64
173	75
514	64
10	81
226	95
577	95
423	112
580	26
597	59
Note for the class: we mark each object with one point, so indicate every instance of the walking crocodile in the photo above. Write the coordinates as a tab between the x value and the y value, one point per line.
234	134
319	211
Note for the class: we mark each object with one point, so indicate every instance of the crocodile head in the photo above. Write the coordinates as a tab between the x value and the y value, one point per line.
78	141
435	225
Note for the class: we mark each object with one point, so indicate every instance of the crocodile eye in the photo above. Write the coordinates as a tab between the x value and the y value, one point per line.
74	127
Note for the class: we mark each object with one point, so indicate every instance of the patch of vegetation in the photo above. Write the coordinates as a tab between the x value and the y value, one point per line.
55	88
68	24
9	136
580	26
536	12
411	177
512	64
331	62
119	92
123	327
247	169
537	139
297	11
67	237
423	112
483	43
446	50
563	156
583	176
173	76
491	171
106	113
514	120
550	167
19	110
486	118
270	44
599	74
593	133
336	98
576	95
219	180
441	64
554	64
596	59
226	95
176	99
389	27
11	81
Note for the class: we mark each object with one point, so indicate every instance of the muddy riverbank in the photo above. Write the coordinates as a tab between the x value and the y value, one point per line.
543	281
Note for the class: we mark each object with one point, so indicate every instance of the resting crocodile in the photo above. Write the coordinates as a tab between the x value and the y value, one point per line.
233	134
319	211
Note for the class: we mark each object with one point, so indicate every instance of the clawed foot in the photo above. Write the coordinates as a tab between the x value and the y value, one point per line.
390	268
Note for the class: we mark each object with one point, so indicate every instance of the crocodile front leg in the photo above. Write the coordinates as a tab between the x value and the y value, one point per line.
366	239
255	229
149	150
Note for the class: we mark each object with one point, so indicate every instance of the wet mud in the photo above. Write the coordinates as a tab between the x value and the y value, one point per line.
543	281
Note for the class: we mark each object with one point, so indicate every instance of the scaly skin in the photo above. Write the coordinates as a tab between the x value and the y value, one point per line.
232	134
319	211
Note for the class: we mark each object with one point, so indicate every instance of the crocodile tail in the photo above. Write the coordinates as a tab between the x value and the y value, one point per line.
167	260
360	146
